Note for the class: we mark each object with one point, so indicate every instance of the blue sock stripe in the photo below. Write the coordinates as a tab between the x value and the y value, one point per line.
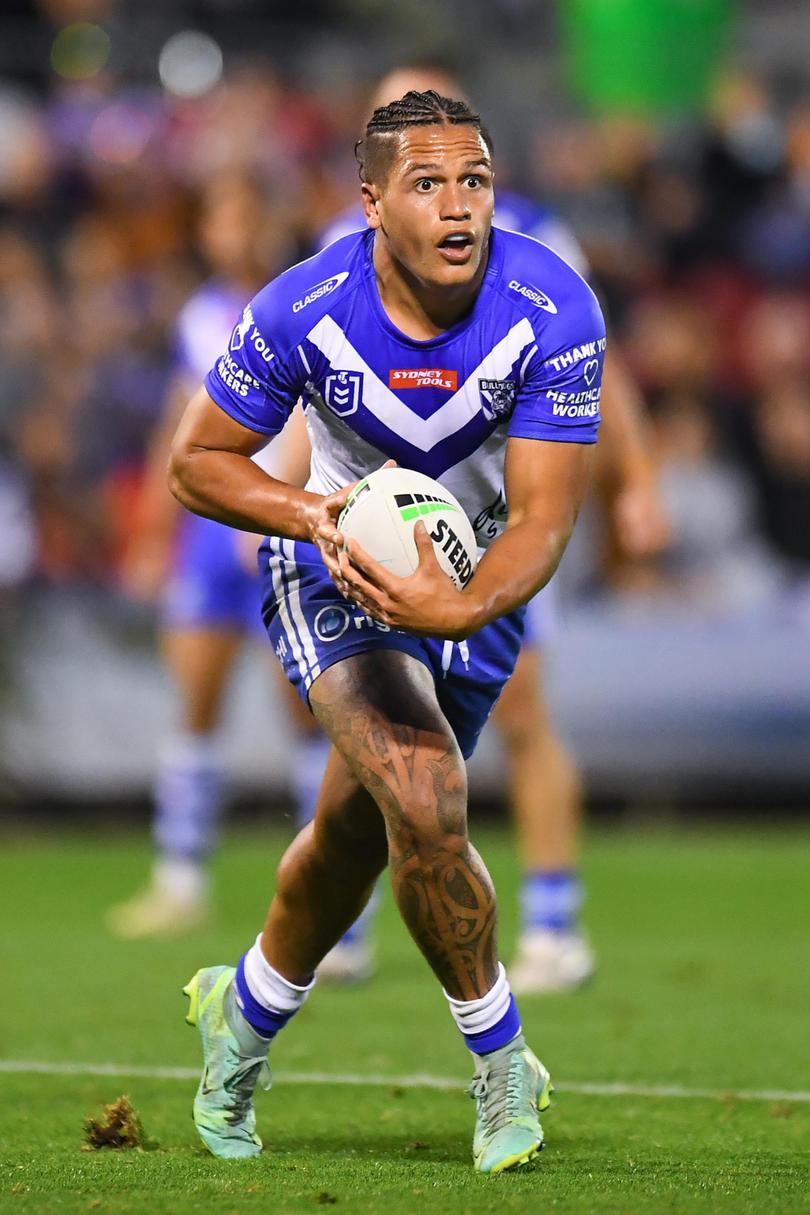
263	1020
189	796
551	899
498	1035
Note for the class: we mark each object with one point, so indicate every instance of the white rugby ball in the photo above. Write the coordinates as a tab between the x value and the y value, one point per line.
383	509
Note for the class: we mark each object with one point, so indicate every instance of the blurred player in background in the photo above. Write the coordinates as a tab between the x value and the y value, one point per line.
207	580
545	792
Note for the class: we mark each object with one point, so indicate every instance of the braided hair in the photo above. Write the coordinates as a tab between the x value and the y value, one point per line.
375	150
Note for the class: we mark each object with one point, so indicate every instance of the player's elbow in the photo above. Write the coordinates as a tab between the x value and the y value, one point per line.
180	474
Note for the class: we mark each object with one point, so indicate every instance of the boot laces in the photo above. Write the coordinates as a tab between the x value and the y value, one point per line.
498	1092
241	1084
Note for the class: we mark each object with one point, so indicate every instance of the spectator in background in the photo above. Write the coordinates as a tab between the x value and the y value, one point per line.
774	438
206	579
715	561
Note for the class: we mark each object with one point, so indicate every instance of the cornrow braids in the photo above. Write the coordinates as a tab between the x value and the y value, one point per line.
373	151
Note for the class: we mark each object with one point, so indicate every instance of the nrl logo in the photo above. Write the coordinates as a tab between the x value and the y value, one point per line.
498	397
343	392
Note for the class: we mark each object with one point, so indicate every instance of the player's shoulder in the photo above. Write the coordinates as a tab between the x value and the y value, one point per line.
519	213
212	296
287	308
539	283
347	222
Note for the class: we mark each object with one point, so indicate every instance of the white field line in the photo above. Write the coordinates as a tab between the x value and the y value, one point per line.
26	1067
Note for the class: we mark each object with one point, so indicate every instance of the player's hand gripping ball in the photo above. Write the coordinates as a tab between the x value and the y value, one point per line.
382	510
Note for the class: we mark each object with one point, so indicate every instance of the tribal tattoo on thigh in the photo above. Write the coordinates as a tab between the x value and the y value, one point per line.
442	887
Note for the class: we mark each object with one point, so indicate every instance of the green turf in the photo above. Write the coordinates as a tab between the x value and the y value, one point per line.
704	982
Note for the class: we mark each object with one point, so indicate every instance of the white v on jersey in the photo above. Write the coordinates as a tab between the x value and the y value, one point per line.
526	362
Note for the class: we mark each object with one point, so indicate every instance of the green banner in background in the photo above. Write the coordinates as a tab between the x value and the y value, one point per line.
643	55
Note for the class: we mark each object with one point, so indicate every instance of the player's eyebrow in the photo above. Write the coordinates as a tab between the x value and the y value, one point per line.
479	162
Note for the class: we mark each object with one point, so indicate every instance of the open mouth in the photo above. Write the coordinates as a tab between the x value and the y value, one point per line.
456	246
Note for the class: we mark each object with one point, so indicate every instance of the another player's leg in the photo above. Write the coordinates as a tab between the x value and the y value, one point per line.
545	798
324	880
381	711
351	960
189	790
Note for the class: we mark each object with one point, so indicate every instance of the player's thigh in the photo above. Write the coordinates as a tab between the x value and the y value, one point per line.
381	712
522	710
200	661
347	819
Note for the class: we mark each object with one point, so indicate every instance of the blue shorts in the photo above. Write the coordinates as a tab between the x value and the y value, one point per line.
312	627
211	584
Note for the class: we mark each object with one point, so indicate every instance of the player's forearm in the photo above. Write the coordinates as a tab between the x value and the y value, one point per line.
514	568
232	489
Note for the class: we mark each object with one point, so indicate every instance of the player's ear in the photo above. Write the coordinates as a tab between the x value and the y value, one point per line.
370	196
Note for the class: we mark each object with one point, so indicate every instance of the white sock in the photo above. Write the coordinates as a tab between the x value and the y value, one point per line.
268	987
181	878
493	1015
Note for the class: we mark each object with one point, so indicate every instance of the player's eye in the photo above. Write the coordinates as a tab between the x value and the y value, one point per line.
424	184
473	181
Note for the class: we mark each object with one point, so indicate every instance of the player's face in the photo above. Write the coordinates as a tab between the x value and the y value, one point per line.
434	210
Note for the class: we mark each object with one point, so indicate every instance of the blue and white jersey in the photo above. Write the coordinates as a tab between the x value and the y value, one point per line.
201	330
525	362
513	213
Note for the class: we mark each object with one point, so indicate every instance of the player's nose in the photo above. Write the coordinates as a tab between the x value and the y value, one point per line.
454	204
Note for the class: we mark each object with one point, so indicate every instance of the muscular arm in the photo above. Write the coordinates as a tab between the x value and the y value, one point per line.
545	484
211	473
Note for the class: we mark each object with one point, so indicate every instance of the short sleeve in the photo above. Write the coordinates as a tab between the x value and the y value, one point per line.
558	399
251	381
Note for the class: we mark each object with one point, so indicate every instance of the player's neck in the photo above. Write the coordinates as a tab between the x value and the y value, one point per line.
418	310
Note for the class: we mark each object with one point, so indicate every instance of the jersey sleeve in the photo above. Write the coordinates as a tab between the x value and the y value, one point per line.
558	399
252	381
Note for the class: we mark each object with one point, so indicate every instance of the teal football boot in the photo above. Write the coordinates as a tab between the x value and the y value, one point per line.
510	1086
234	1061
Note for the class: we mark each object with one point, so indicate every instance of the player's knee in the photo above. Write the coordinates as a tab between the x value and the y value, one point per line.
342	840
430	814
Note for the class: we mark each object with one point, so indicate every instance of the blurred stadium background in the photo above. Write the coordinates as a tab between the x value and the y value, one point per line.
673	136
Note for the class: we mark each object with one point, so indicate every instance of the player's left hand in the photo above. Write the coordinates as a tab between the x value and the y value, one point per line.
426	602
640	521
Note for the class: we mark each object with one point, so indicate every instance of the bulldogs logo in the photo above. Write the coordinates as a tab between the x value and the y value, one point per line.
498	398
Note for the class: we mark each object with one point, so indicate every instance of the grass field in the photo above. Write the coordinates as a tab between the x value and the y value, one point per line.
704	985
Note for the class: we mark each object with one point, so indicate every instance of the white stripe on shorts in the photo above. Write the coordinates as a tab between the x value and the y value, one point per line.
294	602
281	600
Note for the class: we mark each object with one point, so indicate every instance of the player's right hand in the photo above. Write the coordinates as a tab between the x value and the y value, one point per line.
323	530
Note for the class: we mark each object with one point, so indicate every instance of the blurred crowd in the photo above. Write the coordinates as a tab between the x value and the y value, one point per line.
698	235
